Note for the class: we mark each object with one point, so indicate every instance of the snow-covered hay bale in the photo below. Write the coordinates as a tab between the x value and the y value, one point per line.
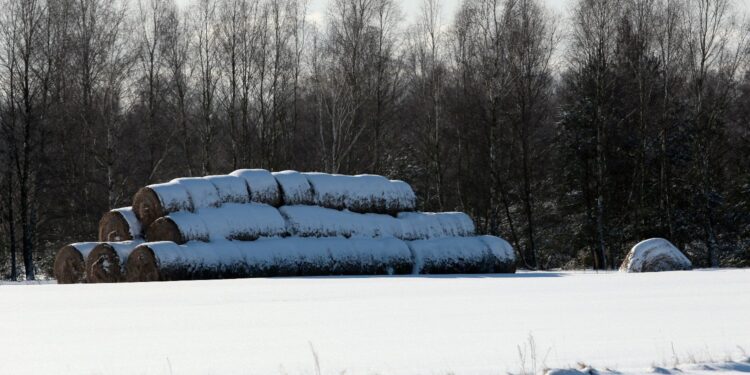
233	221
294	188
361	193
119	224
268	257
655	255
155	201
106	262
451	255
428	225
231	189
167	261
359	256
261	184
70	262
314	221
202	192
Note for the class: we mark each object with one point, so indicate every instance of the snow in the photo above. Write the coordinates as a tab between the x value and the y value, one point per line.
262	185
294	187
655	254
426	225
173	196
230	221
231	189
361	193
134	224
430	325
202	192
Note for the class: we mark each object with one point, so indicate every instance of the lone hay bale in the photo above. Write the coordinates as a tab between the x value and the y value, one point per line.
106	262
119	224
232	221
462	255
655	255
166	261
361	193
262	186
294	188
70	262
155	201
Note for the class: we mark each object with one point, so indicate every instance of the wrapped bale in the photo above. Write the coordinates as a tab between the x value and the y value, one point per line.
155	201
361	193
427	225
294	188
261	184
118	225
232	221
268	257
70	262
655	255
462	255
314	221
106	261
231	189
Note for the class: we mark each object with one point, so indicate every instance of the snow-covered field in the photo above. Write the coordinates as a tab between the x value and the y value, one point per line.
380	325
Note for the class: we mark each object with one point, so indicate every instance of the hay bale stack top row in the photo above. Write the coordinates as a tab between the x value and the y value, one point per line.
362	193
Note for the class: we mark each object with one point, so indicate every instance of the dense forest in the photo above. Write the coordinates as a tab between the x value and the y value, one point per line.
573	136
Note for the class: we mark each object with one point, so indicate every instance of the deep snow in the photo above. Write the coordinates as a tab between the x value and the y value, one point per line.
366	325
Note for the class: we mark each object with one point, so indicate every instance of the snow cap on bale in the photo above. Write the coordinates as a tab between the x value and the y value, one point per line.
231	189
315	221
106	262
361	193
157	200
202	192
232	221
119	224
460	255
70	262
655	255
295	189
261	184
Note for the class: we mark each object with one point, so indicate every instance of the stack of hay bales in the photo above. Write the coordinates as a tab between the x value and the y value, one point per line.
254	223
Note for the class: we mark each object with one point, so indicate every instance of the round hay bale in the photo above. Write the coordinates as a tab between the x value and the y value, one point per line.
155	201
294	188
103	265
70	262
460	255
202	192
165	229
232	189
142	265
361	193
119	225
262	186
106	262
655	255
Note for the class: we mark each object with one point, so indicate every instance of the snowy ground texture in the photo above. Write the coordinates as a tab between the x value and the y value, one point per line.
382	325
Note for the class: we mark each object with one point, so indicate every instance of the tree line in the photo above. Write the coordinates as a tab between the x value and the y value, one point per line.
573	136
